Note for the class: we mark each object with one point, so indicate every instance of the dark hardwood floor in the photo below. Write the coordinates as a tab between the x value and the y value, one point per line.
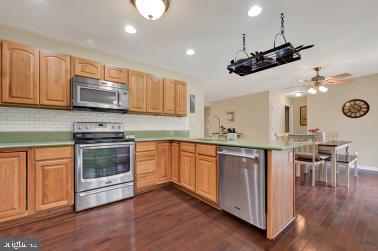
169	219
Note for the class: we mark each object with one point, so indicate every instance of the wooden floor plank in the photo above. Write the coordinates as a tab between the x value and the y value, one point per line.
169	219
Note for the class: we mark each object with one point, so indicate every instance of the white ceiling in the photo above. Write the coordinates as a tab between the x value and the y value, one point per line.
345	33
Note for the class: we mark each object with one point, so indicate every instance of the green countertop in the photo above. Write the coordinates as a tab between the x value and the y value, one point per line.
35	144
269	145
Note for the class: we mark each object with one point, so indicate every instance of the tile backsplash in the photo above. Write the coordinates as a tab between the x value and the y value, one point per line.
28	119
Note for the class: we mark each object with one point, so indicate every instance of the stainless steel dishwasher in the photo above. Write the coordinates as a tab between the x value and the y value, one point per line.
242	183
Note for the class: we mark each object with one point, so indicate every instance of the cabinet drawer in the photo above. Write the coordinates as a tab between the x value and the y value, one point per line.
53	153
209	150
145	146
143	156
146	180
188	147
144	167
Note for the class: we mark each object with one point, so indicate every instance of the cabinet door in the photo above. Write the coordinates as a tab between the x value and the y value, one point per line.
155	92
12	185
54	183
188	170
175	162
164	162
206	177
115	74
169	96
181	98
88	68
137	91
55	79
20	74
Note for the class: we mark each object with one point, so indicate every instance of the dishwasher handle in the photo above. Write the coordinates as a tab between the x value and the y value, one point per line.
254	157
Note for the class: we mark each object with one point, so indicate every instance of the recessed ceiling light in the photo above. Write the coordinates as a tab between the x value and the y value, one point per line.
254	11
190	52
130	29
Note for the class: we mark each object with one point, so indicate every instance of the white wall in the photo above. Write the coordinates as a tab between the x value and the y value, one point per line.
296	103
324	112
195	121
252	115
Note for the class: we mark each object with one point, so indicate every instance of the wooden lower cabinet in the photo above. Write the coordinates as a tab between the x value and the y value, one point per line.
54	180
145	165
13	182
188	170
164	162
175	162
207	177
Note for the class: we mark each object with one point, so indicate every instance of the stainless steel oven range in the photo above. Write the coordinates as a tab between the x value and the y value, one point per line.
104	164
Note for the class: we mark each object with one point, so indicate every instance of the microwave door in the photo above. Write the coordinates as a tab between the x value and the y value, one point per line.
99	97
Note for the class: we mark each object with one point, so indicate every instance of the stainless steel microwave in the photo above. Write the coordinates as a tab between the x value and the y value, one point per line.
94	94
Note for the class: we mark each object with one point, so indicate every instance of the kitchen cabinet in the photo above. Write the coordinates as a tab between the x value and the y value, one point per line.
137	91
188	170
116	74
181	98
55	79
164	162
175	162
13	182
155	92
207	177
145	165
19	74
88	68
54	177
169	96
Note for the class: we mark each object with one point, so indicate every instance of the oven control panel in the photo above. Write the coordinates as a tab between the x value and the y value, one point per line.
98	127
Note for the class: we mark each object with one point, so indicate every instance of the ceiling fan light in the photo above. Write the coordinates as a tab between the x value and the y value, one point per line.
312	90
298	94
323	88
151	9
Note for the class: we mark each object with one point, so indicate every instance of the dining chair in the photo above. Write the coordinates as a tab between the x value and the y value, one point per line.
307	155
348	161
282	136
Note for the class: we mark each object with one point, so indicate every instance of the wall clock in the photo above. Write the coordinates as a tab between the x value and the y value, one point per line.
356	108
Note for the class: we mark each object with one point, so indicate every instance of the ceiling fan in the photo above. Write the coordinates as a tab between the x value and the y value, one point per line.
319	82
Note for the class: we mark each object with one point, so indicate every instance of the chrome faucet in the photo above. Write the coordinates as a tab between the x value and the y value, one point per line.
219	123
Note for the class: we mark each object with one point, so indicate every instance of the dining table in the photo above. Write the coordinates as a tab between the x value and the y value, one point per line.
332	147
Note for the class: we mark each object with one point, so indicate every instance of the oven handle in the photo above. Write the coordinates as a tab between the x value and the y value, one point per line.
106	189
105	145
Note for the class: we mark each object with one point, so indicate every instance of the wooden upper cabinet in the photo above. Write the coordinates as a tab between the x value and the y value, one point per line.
20	74
175	162
54	177
169	96
137	91
181	98
12	185
155	93
164	162
116	74
55	79
207	177
188	170
88	68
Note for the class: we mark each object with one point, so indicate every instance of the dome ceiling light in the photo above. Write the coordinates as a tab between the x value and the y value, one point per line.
151	9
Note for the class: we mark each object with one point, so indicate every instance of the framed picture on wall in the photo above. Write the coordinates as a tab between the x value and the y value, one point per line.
303	115
229	117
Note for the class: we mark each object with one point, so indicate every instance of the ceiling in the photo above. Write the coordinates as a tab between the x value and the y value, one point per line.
344	32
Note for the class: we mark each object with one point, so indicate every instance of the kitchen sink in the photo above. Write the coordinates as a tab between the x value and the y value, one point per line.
210	139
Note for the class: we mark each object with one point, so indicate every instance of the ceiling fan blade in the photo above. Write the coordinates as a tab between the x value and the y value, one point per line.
293	87
340	76
337	82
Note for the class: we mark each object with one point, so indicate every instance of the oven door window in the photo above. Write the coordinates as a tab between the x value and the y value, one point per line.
105	162
98	96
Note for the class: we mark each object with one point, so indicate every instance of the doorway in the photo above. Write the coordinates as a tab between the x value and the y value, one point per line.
287	119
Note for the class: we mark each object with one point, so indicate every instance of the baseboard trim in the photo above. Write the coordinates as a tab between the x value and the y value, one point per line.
369	168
